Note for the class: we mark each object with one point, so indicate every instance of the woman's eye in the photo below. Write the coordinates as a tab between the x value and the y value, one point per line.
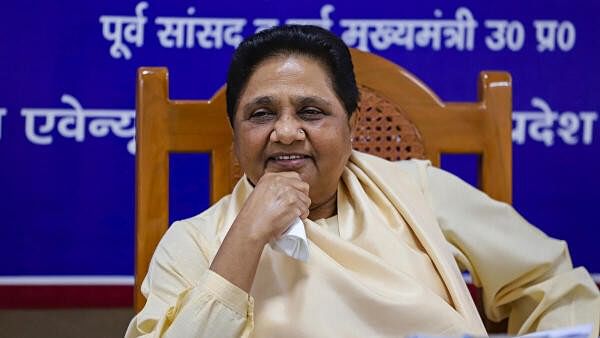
261	115
311	113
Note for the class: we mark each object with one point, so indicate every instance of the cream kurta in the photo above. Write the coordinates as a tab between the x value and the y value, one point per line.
383	269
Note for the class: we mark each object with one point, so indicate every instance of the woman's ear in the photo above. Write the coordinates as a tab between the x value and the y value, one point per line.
352	120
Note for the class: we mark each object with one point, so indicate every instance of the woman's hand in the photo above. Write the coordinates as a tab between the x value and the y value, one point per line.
277	199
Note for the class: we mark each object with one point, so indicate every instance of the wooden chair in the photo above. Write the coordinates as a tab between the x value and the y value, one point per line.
398	118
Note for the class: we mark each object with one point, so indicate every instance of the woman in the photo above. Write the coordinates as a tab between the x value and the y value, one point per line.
380	263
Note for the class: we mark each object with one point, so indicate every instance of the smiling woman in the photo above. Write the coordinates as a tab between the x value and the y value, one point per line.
385	238
291	109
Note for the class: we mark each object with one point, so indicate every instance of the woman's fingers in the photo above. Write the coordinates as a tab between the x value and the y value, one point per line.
304	214
305	200
298	195
278	198
291	178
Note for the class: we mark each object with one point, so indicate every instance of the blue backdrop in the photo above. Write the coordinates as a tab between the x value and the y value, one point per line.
67	95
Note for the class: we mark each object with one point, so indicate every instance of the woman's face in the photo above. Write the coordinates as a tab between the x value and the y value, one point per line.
290	119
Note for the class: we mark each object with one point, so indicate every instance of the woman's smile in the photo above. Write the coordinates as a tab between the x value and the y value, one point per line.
287	162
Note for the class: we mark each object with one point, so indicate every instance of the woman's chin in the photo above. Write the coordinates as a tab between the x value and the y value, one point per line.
296	165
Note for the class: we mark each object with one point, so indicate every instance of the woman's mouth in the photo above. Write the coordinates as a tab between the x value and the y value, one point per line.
287	162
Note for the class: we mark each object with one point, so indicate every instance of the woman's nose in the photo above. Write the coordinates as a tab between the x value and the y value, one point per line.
287	130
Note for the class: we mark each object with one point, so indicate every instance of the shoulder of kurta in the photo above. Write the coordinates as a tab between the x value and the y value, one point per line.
208	224
399	174
413	167
197	235
186	247
410	167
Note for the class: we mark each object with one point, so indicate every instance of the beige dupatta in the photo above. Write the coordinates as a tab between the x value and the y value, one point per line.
389	271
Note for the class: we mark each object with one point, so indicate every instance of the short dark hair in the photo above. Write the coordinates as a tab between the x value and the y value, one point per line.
312	41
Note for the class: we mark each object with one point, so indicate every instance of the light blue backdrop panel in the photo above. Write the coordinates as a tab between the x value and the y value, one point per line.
67	96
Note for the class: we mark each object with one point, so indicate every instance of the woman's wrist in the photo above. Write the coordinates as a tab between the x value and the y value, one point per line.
248	233
238	256
248	229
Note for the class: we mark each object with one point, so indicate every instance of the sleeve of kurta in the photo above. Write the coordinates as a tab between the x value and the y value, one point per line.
184	297
525	275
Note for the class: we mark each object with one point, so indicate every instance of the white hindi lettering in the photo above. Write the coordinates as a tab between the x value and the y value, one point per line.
365	34
460	33
588	118
128	28
356	32
207	33
540	128
72	123
393	32
2	114
540	125
260	24
430	33
550	33
437	33
325	22
505	33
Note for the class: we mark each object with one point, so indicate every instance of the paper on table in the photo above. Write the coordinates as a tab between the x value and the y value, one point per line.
293	241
